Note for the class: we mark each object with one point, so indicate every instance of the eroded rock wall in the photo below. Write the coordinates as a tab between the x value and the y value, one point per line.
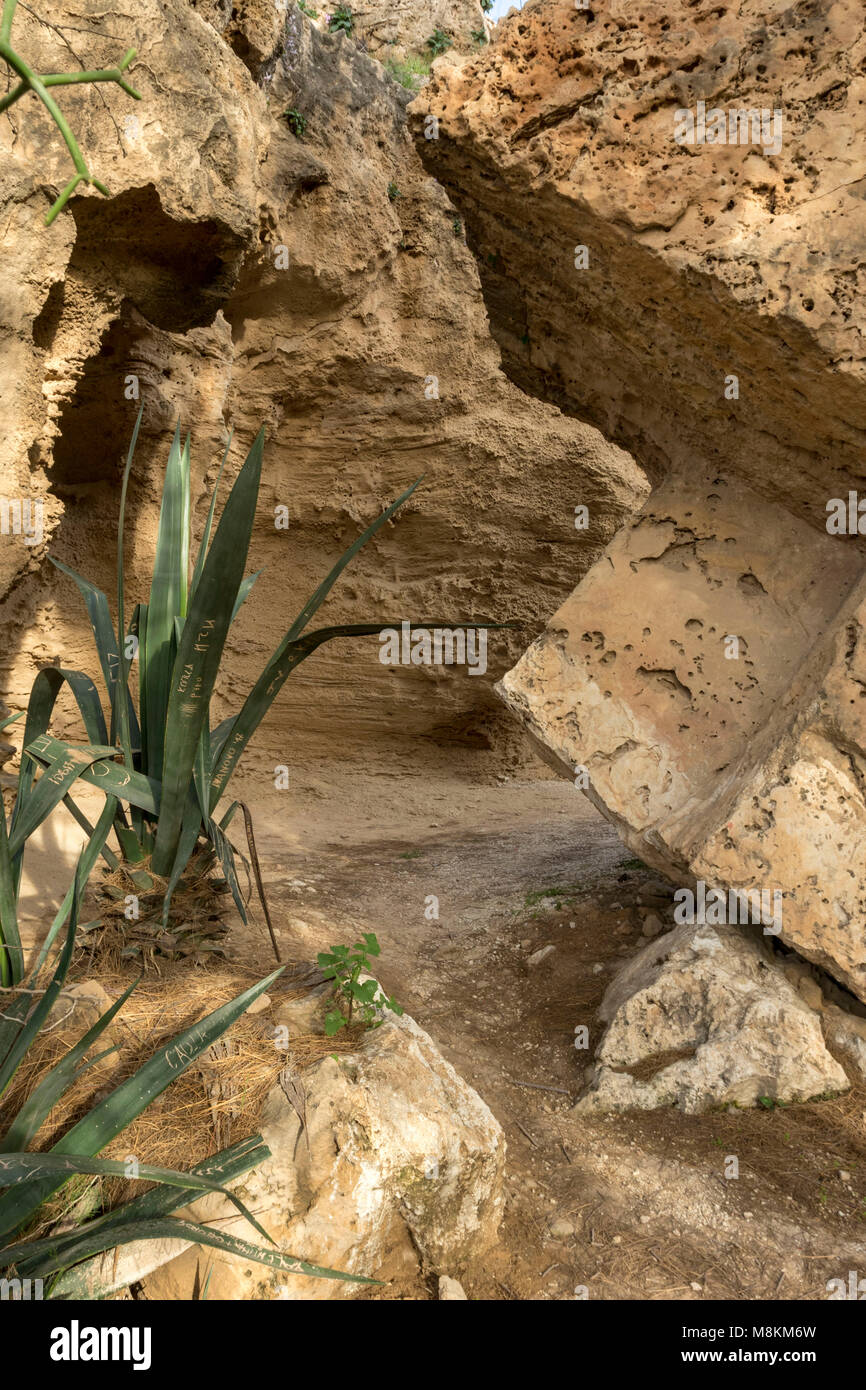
698	301
241	275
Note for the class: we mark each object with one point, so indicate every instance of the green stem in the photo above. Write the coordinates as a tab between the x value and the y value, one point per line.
33	82
13	96
68	79
9	7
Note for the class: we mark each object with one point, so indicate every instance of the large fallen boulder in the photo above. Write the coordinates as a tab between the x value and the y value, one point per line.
702	1017
671	249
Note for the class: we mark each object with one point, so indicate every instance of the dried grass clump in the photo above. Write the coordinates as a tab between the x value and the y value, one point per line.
197	926
213	1103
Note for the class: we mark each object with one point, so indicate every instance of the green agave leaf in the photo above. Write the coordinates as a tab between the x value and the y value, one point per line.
223	1167
200	650
44	691
11	954
27	1021
172	1228
190	831
318	598
266	688
122	714
18	1168
118	1109
86	861
100	621
63	767
80	818
167	596
111	777
56	1082
244	592
208	527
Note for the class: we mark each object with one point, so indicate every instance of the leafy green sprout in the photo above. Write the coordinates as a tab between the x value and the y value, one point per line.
296	122
307	10
393	192
439	42
341	20
479	35
364	1000
40	83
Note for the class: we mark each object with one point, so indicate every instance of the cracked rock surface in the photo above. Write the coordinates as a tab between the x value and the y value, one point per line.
708	674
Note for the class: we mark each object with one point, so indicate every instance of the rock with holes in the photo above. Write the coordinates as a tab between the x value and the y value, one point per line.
404	1169
703	1017
659	258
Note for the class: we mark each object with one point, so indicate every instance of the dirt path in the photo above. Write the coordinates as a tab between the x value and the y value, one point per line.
618	1207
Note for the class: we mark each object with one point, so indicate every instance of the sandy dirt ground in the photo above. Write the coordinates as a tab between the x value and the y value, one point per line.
516	867
624	1207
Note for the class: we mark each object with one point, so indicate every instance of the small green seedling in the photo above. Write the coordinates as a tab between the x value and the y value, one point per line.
393	192
341	21
365	1001
296	122
439	42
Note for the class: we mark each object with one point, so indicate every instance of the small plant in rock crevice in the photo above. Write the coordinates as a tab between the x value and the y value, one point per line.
341	20
393	192
365	1000
296	122
439	42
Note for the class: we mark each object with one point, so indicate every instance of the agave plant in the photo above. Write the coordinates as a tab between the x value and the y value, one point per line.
64	1258
164	759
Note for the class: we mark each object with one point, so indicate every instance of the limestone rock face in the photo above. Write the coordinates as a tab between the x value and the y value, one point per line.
405	1162
702	1017
404	26
242	275
708	673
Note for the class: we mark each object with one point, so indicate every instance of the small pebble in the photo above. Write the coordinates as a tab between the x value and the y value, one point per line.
561	1229
538	956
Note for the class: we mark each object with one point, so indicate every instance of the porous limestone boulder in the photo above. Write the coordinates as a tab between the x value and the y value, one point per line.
703	1017
699	302
404	1168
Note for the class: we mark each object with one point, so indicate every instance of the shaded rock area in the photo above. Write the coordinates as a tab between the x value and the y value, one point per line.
243	275
707	676
701	1017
